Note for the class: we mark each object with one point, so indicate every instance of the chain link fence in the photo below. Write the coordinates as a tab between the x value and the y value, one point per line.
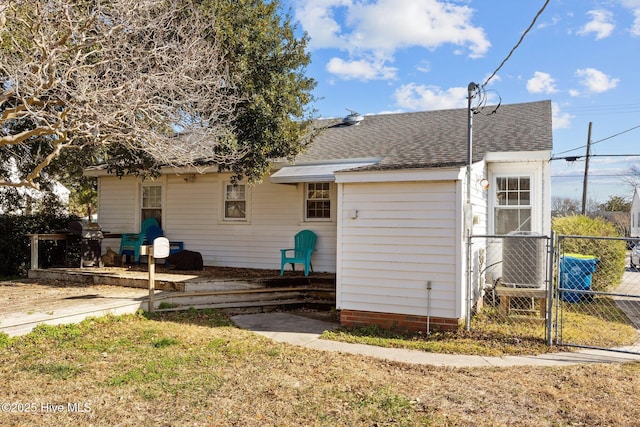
510	291
597	297
574	291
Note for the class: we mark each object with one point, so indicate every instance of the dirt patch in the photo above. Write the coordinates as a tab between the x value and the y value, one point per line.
30	296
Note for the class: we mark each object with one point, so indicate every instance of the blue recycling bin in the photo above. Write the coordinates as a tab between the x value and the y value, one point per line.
575	273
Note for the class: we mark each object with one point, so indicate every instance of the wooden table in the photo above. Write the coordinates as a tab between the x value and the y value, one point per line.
506	293
35	238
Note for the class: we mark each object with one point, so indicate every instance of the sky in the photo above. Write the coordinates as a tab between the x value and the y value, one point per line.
393	56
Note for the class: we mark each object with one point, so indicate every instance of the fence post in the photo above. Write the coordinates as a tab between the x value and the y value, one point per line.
469	296
551	258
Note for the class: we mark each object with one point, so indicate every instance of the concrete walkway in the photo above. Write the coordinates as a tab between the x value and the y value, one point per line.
23	306
298	330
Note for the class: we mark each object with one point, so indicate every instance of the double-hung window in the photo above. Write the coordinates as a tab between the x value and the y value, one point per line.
317	201
513	204
235	202
152	202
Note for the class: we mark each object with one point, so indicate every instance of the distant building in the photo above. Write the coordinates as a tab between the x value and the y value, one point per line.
635	213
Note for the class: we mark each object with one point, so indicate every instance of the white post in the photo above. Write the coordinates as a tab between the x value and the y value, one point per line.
152	277
34	251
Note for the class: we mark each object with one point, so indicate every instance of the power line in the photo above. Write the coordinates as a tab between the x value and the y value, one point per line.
600	140
517	44
593	176
574	158
603	109
617	134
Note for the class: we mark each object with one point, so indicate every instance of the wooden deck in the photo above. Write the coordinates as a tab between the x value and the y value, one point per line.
212	288
69	295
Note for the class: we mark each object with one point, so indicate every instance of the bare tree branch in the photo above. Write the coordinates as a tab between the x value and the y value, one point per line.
116	72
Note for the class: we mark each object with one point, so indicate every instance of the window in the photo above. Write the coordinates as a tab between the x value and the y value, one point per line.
513	204
235	202
318	201
152	202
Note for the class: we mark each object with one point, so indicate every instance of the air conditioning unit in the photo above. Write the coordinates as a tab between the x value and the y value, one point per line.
524	257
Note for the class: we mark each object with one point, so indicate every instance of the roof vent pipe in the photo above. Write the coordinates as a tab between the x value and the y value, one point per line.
353	118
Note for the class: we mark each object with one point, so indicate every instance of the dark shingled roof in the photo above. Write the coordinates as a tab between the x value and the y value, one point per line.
433	138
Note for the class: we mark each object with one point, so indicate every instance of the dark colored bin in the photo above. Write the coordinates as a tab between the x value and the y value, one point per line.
575	273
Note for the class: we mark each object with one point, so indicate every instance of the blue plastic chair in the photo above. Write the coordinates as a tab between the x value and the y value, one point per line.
130	243
305	243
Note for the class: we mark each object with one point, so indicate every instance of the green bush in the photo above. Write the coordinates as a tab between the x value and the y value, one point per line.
15	251
611	254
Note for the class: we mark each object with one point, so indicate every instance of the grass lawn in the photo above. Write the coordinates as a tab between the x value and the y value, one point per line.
599	323
195	368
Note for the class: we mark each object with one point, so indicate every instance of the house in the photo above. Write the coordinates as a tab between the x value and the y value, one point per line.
26	201
385	194
635	214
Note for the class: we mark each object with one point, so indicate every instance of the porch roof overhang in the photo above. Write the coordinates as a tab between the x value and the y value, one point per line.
318	172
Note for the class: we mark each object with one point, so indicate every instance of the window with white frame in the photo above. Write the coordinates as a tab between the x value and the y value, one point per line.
235	202
512	209
152	202
317	201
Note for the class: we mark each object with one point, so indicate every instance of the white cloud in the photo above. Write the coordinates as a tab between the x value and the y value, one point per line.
318	19
379	28
424	66
634	7
421	97
360	69
560	120
541	83
601	24
596	81
393	24
631	4
635	28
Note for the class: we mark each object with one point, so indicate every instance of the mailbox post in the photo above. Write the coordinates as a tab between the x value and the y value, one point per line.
159	249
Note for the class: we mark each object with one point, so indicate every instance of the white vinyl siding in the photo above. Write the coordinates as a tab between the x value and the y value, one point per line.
193	216
405	234
538	208
118	208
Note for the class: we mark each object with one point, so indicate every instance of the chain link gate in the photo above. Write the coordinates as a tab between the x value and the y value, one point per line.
597	294
509	286
569	290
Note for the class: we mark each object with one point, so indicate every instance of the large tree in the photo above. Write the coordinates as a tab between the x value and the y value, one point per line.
263	44
153	82
136	84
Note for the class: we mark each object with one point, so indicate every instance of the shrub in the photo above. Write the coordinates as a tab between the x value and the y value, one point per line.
611	254
15	252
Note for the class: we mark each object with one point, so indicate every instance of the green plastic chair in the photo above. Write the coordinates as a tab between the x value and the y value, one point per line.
305	243
130	242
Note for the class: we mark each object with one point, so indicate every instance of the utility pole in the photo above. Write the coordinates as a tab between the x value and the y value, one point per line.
586	171
467	209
